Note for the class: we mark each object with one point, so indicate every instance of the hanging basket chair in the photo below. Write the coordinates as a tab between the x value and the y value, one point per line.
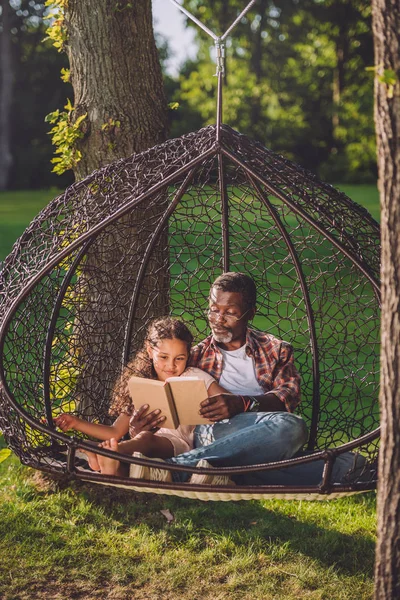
146	236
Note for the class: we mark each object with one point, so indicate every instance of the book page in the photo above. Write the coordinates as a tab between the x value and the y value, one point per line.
157	395
188	393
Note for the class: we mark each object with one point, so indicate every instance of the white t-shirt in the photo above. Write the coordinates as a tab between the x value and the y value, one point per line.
238	373
182	438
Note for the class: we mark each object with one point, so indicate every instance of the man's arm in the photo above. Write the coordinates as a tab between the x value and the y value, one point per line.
224	406
286	378
284	396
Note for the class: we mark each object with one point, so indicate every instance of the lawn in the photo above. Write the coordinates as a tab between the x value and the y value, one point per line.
84	542
17	209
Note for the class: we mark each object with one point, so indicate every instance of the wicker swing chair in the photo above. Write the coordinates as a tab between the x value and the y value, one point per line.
146	236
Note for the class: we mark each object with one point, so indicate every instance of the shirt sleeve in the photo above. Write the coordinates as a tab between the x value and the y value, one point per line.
199	374
286	379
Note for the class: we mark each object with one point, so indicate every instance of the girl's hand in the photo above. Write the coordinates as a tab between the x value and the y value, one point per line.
141	421
66	421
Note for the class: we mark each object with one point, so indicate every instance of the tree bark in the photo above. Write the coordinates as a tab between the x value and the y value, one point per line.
116	76
6	88
117	81
386	29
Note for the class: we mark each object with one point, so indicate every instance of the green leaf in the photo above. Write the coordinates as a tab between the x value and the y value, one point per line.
389	77
65	75
4	454
69	106
79	120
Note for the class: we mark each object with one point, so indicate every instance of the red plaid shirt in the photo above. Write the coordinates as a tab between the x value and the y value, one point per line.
273	360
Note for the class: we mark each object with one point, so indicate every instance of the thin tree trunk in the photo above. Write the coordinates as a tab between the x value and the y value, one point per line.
6	89
117	82
256	67
386	28
343	17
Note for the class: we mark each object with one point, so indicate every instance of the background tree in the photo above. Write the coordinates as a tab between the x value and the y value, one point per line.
386	27
296	80
30	88
6	86
119	108
117	79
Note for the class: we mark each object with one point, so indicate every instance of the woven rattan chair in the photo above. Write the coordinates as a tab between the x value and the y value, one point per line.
146	236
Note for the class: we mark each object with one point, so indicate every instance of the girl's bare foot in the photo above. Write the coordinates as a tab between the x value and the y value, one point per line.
109	466
92	459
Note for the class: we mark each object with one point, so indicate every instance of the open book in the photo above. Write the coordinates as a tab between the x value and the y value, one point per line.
178	398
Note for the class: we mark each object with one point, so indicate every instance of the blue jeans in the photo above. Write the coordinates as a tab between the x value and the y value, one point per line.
310	473
245	439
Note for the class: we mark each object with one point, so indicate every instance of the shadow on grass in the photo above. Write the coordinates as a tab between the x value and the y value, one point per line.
291	524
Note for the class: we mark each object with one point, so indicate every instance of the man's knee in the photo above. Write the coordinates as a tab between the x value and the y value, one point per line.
302	430
298	430
292	428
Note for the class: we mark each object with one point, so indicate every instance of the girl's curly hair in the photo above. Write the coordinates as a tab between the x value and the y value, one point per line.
163	328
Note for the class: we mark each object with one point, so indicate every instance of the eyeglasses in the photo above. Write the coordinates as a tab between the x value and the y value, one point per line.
214	315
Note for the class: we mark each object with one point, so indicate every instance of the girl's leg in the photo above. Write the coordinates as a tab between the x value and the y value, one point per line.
92	459
152	446
110	466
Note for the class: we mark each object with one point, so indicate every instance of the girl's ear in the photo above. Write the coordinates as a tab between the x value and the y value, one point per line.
149	351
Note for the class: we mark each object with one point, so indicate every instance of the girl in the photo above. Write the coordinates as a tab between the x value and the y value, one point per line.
164	354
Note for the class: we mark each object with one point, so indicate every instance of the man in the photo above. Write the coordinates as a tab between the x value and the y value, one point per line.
255	422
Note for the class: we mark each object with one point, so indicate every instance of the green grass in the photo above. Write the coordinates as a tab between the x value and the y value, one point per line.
83	542
90	542
17	210
366	195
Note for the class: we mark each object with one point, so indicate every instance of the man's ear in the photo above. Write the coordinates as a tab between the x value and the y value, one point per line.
252	313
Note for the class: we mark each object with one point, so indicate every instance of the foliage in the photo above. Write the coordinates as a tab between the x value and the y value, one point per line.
67	128
65	133
387	77
56	31
4	454
37	90
296	80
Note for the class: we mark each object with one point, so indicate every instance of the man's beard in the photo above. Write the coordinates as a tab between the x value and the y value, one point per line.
224	337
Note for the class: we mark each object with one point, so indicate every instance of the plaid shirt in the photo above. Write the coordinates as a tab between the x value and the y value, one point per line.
273	360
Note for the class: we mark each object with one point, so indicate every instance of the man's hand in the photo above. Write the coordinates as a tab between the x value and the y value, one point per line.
141	421
221	406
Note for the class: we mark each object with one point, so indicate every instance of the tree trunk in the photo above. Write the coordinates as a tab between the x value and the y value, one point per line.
344	17
117	82
256	67
6	86
386	28
117	79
